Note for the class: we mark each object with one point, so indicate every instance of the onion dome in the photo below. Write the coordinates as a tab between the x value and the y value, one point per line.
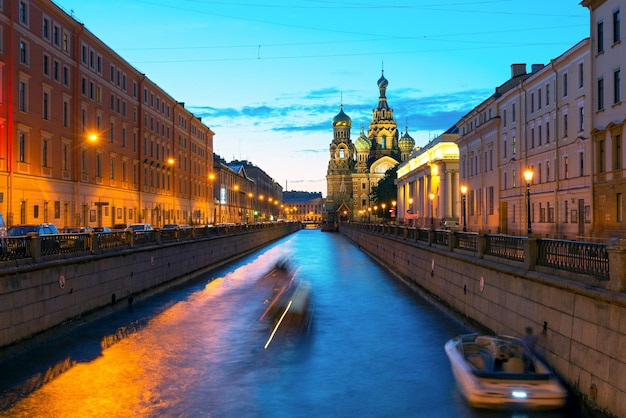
382	81
406	143
342	119
362	143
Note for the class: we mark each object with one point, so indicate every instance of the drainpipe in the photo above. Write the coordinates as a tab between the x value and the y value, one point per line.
557	160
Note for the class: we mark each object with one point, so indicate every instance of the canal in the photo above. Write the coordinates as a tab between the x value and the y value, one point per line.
375	349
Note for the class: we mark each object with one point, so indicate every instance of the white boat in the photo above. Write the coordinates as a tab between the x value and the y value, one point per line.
498	372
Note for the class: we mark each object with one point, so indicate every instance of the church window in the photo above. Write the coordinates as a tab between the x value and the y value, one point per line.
342	153
384	141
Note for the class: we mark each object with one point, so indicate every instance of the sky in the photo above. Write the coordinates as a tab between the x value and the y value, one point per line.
268	76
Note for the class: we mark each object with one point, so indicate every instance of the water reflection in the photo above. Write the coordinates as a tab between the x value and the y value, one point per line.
374	349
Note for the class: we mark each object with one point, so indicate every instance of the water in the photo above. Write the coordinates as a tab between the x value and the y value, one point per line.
375	350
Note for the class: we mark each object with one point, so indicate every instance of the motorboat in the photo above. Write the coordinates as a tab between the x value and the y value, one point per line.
499	372
288	305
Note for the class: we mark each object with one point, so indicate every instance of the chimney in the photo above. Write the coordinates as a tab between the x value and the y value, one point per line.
517	70
536	67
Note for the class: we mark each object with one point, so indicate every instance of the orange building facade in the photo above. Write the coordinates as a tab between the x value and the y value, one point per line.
85	138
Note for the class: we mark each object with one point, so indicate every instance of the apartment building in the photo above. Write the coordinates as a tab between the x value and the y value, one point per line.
536	122
85	138
608	116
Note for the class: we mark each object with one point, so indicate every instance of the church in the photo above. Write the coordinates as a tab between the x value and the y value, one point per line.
354	169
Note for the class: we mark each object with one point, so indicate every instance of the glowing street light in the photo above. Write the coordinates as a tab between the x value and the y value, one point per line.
528	176
464	200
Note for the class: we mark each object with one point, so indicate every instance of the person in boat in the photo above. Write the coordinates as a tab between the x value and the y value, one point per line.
530	339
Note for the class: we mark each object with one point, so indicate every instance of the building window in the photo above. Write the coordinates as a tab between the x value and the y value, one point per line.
600	93
547	94
514	145
581	76
23	52
513	112
532	138
616	19
600	156
617	96
600	36
99	164
565	125
618	207
65	157
46	106
532	102
581	119
112	168
44	152
46	65
22	96
565	85
581	163
23	12
566	167
66	113
547	132
504	117
617	152
22	147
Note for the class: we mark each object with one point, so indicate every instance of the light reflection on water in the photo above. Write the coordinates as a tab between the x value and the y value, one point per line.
375	349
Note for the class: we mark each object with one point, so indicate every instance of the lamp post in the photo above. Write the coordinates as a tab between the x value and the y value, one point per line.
170	162
393	209
410	211
528	176
384	205
432	213
464	201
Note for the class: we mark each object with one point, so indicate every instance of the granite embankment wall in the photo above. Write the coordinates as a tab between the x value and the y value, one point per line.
41	298
581	327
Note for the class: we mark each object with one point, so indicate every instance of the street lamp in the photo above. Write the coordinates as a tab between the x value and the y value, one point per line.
170	162
528	176
410	211
464	201
432	213
384	205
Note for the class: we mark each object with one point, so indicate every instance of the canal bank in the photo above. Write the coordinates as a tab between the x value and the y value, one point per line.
581	328
40	299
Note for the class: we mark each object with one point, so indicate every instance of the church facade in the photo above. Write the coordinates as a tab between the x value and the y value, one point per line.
354	169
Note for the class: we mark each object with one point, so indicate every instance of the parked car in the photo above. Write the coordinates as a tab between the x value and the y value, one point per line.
102	229
120	227
75	230
174	226
142	232
47	245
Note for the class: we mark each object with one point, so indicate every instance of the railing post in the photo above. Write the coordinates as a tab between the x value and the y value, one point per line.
130	237
33	244
481	244
431	237
531	252
92	243
617	268
451	240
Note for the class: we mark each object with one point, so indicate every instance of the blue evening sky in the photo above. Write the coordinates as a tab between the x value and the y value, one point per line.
268	76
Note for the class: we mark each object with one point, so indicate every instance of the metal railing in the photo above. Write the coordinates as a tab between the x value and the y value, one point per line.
578	257
33	246
511	248
586	258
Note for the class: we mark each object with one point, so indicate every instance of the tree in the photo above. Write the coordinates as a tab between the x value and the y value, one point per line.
386	191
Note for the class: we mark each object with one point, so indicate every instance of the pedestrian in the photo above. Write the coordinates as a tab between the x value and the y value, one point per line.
530	339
